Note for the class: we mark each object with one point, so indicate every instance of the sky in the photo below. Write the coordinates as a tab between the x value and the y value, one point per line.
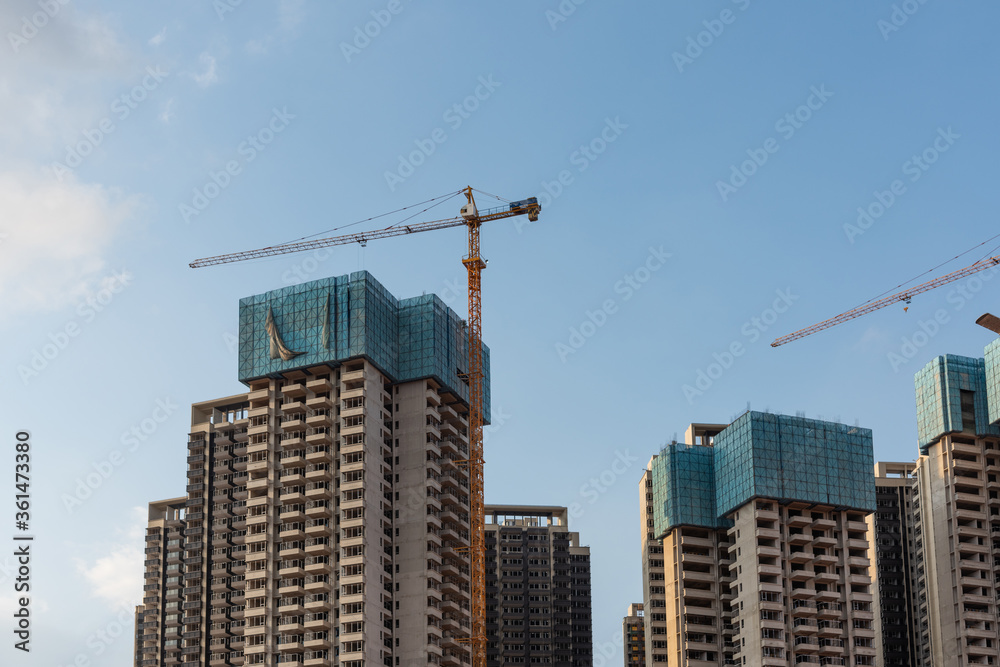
713	175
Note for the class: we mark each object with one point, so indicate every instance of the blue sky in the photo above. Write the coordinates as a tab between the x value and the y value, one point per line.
701	168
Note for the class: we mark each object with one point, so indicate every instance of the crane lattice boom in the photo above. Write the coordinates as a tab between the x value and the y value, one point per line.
530	208
904	296
474	263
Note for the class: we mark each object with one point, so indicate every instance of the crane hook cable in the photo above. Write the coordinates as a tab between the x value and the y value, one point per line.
426	209
449	195
931	270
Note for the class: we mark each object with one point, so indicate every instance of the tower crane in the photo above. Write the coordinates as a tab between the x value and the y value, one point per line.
473	219
898	297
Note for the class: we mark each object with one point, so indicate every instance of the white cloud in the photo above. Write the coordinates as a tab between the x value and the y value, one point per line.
54	235
55	238
290	14
208	77
258	47
67	39
167	114
873	338
51	86
117	576
159	37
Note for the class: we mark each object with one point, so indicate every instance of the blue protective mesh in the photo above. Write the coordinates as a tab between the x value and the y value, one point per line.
939	405
336	319
793	459
684	489
992	368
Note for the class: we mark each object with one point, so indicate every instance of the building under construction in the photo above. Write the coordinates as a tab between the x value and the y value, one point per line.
326	519
757	552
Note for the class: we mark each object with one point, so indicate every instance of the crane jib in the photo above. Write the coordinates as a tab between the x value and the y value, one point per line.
904	296
525	207
472	219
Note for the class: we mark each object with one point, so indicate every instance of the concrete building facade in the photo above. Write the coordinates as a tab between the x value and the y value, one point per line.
538	607
654	589
159	633
765	543
634	636
892	553
326	519
695	551
957	510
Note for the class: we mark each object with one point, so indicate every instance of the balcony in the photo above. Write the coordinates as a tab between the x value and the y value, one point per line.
317	602
824	542
319	436
352	376
317	490
320	417
292	533
318	454
804	593
799	538
766	515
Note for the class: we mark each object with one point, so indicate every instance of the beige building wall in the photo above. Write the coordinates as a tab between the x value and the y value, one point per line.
957	509
433	526
323	524
802	584
697	596
633	636
653	576
787	584
158	617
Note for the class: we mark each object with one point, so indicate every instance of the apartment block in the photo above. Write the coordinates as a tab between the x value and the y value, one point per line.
957	509
538	608
892	554
765	542
164	585
326	519
634	636
654	589
695	552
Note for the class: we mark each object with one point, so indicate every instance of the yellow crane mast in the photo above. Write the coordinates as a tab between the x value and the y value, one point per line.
474	264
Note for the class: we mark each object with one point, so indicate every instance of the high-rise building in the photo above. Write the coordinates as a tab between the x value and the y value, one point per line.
634	636
326	519
537	588
654	589
690	549
160	632
892	552
765	543
695	552
957	509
